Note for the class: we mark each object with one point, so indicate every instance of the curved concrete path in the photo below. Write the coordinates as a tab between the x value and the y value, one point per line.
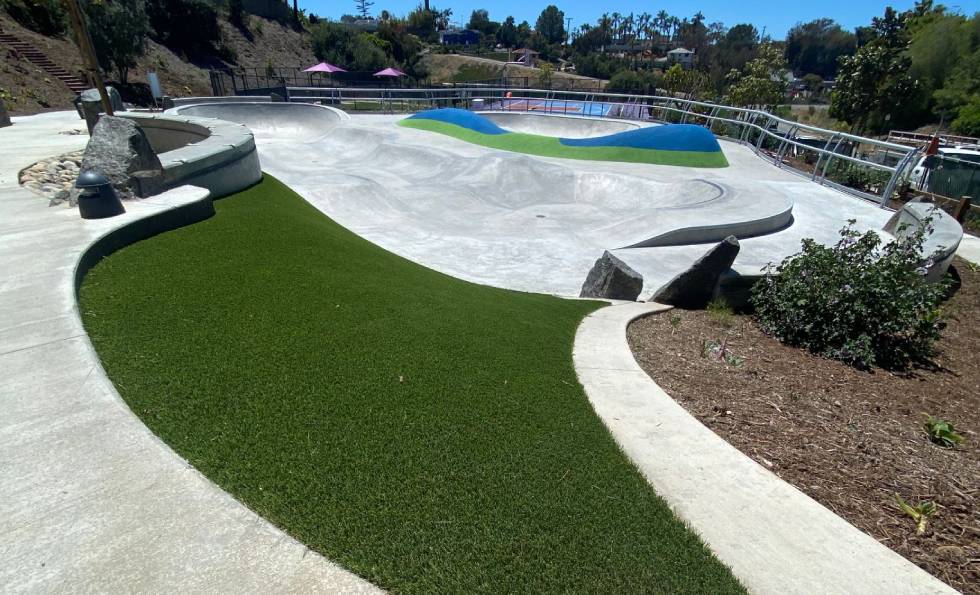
775	538
90	500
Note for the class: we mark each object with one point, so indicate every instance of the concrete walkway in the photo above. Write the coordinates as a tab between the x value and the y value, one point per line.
969	249
90	500
775	538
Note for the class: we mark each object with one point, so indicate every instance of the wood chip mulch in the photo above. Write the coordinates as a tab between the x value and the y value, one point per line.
849	439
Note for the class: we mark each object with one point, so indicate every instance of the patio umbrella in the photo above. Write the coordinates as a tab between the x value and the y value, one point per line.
323	67
390	72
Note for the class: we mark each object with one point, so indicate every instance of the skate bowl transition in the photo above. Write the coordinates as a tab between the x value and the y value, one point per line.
270	121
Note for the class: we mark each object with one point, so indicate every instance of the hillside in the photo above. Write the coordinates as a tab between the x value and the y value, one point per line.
26	89
456	68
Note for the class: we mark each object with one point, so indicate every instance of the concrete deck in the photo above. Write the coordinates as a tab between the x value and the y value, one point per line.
90	499
775	538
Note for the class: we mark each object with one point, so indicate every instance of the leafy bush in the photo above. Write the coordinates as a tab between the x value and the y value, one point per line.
47	17
633	81
858	301
941	432
189	27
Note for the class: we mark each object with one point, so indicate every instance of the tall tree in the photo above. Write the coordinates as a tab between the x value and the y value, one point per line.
551	25
363	8
507	34
873	84
816	46
762	82
119	31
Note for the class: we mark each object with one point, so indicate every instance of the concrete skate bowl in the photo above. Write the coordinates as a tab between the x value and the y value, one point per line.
561	126
289	122
681	145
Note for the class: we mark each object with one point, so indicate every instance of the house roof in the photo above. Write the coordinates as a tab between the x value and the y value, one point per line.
525	51
680	51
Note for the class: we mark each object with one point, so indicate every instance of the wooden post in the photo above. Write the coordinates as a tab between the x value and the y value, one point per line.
962	209
88	52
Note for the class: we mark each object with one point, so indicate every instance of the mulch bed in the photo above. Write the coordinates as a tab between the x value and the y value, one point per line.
849	439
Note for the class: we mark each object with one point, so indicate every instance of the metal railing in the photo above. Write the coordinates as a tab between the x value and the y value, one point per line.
868	168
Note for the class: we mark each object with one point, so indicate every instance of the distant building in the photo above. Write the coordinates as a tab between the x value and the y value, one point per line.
682	56
525	57
459	37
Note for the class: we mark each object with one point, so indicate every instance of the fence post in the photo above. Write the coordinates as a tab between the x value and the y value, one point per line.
962	209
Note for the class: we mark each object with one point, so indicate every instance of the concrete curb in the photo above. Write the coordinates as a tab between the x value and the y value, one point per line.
775	538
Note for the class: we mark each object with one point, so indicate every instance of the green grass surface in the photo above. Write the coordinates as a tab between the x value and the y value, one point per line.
425	432
550	146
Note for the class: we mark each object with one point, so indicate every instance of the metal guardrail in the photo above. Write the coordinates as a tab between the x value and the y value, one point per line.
868	168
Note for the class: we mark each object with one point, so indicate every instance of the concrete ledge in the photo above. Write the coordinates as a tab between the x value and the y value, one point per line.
941	242
775	538
275	121
212	154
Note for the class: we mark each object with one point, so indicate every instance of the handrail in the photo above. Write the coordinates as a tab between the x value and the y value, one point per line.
746	121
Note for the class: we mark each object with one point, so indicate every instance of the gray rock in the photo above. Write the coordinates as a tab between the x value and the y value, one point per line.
4	116
118	148
695	287
90	105
59	197
611	278
114	97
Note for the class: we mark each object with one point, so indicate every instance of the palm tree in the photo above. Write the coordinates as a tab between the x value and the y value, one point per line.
663	17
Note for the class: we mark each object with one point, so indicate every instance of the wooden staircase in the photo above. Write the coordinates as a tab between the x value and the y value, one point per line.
38	58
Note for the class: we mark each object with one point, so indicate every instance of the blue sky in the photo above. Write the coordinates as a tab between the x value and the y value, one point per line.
776	16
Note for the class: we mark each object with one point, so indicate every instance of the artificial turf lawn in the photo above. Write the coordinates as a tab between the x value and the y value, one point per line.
549	146
427	433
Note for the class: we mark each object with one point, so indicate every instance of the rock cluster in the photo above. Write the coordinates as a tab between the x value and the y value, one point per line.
54	178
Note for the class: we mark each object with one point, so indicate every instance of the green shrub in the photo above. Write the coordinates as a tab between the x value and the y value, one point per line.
47	17
858	301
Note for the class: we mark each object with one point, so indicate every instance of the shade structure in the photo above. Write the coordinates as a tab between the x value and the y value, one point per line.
392	72
324	67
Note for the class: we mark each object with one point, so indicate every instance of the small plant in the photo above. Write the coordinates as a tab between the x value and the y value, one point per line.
721	312
919	513
675	322
858	301
941	432
718	351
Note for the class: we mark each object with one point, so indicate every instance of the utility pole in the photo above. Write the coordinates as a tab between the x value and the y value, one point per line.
77	18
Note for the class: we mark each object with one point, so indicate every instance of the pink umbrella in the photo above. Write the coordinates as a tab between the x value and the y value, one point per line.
392	72
324	67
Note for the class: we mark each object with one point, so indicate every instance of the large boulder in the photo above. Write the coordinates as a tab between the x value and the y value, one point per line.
695	287
4	116
611	278
119	149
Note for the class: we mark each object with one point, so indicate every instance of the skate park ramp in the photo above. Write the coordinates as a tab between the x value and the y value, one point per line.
684	145
271	121
560	126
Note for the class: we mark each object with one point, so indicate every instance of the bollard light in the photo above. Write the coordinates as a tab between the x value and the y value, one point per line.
97	199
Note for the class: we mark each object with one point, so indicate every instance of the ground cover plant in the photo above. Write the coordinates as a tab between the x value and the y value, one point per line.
428	433
858	301
849	438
